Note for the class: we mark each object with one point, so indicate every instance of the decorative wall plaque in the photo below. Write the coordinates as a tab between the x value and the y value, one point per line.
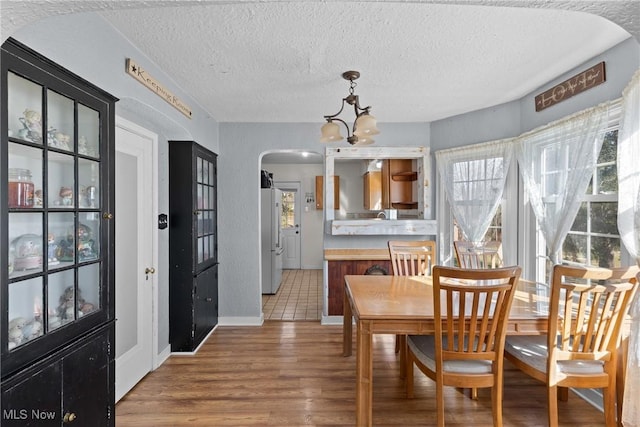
579	83
140	74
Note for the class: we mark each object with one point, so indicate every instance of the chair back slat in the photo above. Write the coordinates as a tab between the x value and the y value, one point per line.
412	258
471	309
593	302
478	255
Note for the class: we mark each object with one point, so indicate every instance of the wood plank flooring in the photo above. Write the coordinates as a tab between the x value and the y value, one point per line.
293	374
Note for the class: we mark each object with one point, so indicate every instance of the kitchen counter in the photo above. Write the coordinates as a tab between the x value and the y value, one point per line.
356	254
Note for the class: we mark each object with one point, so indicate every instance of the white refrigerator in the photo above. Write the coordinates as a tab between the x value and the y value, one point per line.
272	248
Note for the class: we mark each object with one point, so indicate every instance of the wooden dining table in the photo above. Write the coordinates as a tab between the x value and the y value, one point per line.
404	305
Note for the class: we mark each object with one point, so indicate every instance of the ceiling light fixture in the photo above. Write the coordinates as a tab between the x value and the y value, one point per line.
364	125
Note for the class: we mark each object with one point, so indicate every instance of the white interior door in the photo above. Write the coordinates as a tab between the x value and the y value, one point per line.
135	252
291	231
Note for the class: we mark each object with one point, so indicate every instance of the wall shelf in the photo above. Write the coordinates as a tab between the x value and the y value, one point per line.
405	176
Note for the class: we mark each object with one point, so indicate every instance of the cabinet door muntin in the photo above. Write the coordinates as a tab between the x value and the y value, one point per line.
52	228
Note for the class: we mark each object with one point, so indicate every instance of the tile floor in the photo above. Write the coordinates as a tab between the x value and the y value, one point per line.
298	298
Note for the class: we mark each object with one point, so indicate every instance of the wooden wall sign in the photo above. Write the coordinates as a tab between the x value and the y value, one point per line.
141	75
573	86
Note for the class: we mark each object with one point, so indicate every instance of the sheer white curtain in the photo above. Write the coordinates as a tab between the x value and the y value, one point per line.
629	228
473	179
556	163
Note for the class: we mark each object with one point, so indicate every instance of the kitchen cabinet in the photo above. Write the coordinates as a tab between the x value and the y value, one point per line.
193	244
399	189
320	192
56	243
372	187
68	387
393	187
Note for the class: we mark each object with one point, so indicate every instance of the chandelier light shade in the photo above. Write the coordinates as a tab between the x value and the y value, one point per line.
364	125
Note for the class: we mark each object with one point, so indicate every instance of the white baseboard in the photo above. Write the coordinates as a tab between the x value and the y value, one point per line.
162	357
191	353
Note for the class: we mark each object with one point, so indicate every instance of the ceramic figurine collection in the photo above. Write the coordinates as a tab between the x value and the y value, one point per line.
70	307
26	252
31	130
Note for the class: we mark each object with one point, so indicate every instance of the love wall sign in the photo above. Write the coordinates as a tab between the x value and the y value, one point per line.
579	83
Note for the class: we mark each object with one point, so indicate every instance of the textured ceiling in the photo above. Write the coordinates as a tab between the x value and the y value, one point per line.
281	61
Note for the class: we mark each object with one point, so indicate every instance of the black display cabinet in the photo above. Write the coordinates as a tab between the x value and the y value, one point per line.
56	244
193	244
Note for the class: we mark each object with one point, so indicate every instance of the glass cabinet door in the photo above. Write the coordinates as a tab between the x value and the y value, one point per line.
205	210
53	212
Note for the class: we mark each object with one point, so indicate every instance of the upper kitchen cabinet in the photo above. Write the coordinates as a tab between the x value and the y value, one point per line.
393	186
320	192
400	184
56	233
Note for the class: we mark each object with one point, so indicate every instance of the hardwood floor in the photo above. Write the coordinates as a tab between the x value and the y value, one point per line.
293	374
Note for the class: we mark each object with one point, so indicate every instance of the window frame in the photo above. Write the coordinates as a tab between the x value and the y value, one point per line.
537	256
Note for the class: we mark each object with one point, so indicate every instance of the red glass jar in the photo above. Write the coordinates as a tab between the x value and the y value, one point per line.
20	188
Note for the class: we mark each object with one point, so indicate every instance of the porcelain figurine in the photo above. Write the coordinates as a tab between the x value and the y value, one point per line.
66	196
37	198
66	307
52	249
58	139
16	326
86	249
32	330
32	126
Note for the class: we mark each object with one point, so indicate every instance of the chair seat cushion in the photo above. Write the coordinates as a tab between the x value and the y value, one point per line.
532	350
424	348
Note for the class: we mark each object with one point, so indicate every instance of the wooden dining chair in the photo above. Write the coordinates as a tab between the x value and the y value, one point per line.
478	254
582	352
410	258
471	309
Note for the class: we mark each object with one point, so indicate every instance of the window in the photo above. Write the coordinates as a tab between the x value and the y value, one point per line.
288	218
494	232
593	238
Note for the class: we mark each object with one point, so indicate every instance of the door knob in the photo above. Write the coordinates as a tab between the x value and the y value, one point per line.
149	270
